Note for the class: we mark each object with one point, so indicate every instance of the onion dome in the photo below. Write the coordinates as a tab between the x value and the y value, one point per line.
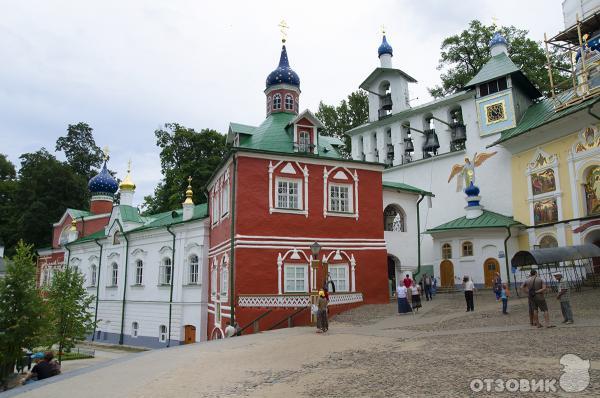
127	183
189	193
283	74
498	39
103	183
385	48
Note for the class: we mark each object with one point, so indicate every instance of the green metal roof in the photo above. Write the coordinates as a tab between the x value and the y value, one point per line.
406	188
488	219
241	128
543	113
497	66
96	235
76	214
130	214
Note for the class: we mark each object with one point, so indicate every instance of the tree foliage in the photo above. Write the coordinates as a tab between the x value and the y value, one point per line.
8	185
350	113
70	318
21	308
80	148
463	55
184	152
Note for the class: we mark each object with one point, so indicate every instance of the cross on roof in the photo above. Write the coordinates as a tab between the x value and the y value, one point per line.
283	27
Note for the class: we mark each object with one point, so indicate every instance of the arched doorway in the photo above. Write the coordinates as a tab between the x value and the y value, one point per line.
447	273
392	262
189	334
216	334
490	267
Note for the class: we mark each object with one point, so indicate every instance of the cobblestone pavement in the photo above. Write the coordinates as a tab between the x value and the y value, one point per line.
369	352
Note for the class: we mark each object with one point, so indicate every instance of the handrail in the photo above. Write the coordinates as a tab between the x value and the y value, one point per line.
288	317
261	316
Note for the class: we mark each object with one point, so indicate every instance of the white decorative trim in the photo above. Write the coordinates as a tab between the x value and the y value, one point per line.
279	265
295	300
93	258
165	249
353	272
353	195
288	169
191	246
340	175
345	298
310	238
113	255
139	253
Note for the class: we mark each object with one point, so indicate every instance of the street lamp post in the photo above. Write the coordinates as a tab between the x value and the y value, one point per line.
315	249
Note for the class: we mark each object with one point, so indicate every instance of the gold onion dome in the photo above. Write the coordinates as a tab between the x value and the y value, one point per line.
189	193
127	183
73	225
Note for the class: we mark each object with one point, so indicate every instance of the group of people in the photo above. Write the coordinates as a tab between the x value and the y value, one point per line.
536	288
44	368
410	289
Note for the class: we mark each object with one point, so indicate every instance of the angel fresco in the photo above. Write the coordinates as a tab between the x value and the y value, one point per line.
467	170
592	191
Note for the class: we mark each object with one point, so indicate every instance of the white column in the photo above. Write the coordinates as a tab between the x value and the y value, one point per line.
398	143
325	193
305	171
270	187
443	131
353	272
279	265
381	145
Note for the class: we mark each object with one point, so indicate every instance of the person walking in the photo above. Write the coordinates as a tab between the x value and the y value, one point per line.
230	330
524	288
403	305
416	296
504	294
427	283
497	284
565	299
469	288
536	289
322	322
407	281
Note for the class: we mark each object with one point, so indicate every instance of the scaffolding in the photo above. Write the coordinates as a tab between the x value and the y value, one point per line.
580	44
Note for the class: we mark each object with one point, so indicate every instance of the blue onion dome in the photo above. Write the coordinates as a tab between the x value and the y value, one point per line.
385	48
283	74
472	190
103	183
497	39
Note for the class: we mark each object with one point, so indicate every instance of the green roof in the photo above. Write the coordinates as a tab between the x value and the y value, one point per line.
406	188
378	71
130	213
242	128
275	134
96	235
497	66
488	219
543	113
75	213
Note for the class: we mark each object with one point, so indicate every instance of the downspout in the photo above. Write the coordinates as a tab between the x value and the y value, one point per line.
172	284
97	288
506	256
419	235
124	284
68	255
231	243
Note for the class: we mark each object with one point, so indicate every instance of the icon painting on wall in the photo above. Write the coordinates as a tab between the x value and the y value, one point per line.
545	211
592	191
543	182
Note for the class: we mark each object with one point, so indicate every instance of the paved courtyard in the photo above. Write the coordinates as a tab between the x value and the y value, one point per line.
368	352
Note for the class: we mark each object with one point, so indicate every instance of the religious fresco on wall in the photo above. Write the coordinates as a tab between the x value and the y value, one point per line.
588	139
543	182
545	211
592	191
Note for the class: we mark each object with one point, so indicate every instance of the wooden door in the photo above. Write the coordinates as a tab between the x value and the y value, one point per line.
447	273
490	267
190	334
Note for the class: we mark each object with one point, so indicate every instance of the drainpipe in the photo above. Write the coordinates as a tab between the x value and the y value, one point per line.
97	288
506	256
172	284
232	237
124	284
419	235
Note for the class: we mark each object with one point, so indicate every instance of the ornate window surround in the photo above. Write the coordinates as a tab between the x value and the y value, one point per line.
351	260
354	196
548	162
303	199
281	262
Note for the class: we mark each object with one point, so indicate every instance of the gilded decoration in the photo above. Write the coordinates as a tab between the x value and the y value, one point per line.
541	160
466	171
545	211
592	191
542	182
588	139
495	112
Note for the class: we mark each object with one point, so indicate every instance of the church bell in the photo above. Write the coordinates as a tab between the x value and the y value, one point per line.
408	145
431	141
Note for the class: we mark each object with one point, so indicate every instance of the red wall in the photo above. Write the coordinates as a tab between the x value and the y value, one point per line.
84	227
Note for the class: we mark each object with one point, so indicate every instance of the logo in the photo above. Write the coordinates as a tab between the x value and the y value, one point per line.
576	373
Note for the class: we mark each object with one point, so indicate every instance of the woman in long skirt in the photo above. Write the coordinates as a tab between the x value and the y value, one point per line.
322	321
403	305
416	297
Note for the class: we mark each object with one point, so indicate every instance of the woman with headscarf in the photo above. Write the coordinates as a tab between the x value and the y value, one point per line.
403	305
322	322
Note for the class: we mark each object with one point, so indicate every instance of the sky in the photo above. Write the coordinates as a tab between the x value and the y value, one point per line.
128	67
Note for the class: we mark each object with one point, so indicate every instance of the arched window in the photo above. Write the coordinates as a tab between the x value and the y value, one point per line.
116	238
115	274
193	270
165	274
548	241
64	236
289	102
139	272
304	141
134	329
213	282
467	249
446	251
277	101
162	333
224	280
93	271
394	219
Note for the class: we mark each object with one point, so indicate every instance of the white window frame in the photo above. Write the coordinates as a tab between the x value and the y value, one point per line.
162	274
213	282
215	207
286	276
225	199
224	281
93	275
193	270
333	185
139	272
299	195
462	251
114	274
304	141
162	335
135	327
290	102
337	280
277	102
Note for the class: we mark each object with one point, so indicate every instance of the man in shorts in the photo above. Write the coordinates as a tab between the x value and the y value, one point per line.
536	287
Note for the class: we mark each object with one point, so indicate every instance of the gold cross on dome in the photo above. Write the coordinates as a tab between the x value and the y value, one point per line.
129	166
494	21
105	152
283	27
383	29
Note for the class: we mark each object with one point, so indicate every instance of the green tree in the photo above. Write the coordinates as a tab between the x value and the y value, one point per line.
8	185
82	153
463	55
184	152
22	309
46	188
70	318
350	113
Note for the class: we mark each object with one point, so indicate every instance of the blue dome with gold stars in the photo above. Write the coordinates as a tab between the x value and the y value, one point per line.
283	74
103	183
497	39
385	48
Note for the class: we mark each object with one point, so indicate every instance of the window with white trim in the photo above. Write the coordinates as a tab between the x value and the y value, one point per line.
340	199
162	333
193	270
114	274
467	249
134	329
288	194
215	207
224	281
139	272
277	101
93	270
213	282
165	273
295	278
289	102
338	273
304	141
225	198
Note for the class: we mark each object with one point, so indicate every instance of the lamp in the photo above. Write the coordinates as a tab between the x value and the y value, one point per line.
315	248
337	256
